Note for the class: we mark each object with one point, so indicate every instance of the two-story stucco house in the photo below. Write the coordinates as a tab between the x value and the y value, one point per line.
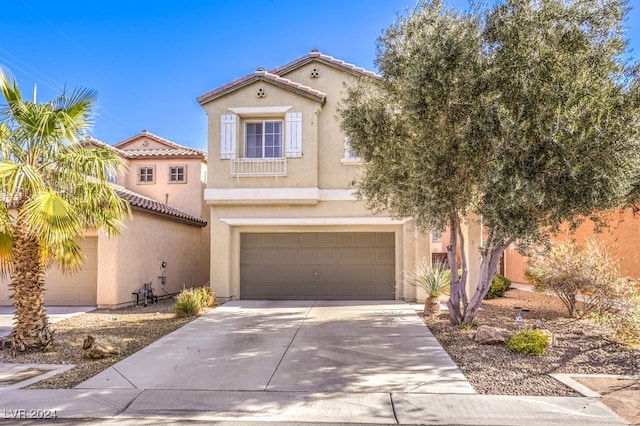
284	220
164	242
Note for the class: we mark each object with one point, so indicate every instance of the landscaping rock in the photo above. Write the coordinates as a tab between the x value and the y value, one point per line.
102	347
487	335
550	336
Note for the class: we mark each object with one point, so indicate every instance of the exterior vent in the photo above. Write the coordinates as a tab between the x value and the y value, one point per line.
261	93
314	73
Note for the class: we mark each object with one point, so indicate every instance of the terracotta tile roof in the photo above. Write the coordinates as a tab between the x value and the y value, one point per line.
91	141
162	153
316	55
140	202
173	150
261	74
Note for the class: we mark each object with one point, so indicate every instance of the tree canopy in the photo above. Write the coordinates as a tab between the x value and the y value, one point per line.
524	115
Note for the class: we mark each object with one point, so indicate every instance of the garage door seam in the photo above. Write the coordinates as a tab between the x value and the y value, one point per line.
290	343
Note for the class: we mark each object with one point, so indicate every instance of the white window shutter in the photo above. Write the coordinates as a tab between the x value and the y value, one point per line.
228	136
293	124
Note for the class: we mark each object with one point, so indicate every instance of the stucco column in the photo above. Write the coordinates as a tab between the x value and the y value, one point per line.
422	249
472	231
221	259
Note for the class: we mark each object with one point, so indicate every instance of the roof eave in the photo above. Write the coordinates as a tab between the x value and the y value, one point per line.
171	217
220	92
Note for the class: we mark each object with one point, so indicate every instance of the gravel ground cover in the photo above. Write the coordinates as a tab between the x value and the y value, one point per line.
583	347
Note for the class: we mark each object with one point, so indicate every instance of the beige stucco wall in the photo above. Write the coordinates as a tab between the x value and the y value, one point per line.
301	172
333	174
134	257
126	261
183	196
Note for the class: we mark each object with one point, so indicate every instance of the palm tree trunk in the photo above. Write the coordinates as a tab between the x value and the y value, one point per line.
31	330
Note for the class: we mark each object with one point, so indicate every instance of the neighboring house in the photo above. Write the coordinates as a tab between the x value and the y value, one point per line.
284	220
620	237
165	242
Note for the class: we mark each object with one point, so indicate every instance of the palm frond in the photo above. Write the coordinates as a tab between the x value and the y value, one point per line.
9	89
68	254
50	218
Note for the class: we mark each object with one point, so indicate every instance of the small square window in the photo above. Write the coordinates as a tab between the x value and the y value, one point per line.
177	174
146	174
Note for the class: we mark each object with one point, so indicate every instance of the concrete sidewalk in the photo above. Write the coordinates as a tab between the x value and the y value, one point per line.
55	314
316	361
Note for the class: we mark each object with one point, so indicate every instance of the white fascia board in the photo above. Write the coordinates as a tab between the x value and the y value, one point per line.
261	195
338	195
227	195
313	221
260	111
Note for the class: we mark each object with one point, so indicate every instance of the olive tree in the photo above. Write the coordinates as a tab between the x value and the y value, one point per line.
519	114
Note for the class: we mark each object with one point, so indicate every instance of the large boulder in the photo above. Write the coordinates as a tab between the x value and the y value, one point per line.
487	335
102	347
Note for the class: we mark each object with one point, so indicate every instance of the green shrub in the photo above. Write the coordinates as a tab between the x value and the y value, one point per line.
499	287
188	304
529	342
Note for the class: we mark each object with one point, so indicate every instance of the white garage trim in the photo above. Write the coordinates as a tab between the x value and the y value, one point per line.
317	221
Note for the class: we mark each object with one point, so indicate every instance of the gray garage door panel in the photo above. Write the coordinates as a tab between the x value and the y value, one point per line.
345	265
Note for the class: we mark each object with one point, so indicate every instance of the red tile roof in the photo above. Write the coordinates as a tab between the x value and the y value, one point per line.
172	150
261	75
163	153
149	205
316	55
91	141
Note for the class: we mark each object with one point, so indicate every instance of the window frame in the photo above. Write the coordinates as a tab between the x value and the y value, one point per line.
184	173
350	158
263	135
147	168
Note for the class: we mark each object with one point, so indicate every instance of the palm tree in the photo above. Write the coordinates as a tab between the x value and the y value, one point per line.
51	190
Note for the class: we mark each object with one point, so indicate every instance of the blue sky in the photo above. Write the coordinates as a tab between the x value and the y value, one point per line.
150	59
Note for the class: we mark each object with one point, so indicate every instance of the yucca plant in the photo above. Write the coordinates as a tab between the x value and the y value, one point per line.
433	278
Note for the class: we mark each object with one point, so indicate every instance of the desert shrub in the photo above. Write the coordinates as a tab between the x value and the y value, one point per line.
206	296
188	304
529	342
569	270
499	286
623	317
433	277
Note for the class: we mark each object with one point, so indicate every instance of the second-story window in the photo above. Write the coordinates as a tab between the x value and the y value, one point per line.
177	174
263	139
146	174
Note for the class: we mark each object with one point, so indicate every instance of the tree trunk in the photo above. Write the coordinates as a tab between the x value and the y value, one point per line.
457	294
31	330
431	305
491	255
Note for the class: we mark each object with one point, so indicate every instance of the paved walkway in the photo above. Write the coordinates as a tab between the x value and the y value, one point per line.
55	313
317	361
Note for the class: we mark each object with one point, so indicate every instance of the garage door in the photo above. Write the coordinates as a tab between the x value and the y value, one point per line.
79	288
332	265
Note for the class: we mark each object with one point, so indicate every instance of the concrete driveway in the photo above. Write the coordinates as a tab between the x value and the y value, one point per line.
290	362
296	346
